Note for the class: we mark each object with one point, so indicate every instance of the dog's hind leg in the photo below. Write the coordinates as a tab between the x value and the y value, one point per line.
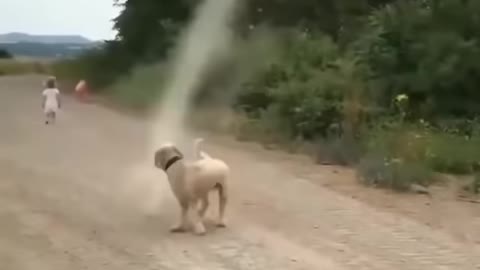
222	203
203	208
181	227
198	227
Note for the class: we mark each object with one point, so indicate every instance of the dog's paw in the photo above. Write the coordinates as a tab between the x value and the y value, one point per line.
200	230
221	225
178	229
200	233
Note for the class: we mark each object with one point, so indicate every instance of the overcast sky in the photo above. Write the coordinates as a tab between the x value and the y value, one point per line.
90	18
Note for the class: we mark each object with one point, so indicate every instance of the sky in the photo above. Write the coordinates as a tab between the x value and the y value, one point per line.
89	18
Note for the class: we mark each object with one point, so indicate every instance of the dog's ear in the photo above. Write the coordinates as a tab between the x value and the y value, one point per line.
177	152
163	155
159	159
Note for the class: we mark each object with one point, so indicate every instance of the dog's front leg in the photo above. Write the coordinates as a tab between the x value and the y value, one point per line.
182	225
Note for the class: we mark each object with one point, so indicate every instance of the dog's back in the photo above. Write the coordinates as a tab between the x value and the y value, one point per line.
209	172
211	168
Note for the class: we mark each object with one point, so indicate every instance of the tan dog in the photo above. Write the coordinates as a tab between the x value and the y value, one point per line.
191	183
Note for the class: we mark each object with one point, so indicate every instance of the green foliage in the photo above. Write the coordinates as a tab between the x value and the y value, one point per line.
354	78
305	88
100	66
338	151
336	18
140	89
4	54
475	187
375	170
147	29
472	185
428	50
423	144
454	154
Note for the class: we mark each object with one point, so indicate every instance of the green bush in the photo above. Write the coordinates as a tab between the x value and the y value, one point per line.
140	89
266	129
335	89
306	89
473	185
454	154
4	54
428	50
476	184
338	151
442	152
396	174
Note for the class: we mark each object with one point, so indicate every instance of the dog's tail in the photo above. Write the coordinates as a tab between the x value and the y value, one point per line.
196	149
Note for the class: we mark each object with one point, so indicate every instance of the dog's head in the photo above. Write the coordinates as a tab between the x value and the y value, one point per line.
165	154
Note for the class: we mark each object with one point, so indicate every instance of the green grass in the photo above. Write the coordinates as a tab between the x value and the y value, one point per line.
19	67
454	154
139	90
406	155
393	174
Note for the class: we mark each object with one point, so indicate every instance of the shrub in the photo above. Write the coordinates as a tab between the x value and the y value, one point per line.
4	54
427	50
396	157
338	151
453	154
476	183
312	87
266	129
396	174
473	186
438	150
140	89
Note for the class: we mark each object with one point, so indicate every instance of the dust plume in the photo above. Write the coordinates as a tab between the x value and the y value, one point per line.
208	36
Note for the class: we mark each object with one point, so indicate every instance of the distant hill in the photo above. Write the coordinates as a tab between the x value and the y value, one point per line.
45	39
45	46
45	50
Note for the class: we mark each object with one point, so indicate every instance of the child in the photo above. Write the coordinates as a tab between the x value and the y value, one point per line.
51	100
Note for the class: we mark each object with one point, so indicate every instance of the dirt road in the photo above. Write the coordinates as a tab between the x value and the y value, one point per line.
66	202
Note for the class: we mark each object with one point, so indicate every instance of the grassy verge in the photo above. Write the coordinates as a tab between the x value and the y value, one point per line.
19	67
139	90
399	158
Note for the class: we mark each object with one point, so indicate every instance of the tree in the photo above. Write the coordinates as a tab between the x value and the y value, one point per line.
4	54
149	27
429	51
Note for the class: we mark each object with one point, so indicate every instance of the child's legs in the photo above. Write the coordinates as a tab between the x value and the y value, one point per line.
50	115
53	115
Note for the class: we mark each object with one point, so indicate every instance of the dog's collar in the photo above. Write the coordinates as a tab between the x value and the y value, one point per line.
172	161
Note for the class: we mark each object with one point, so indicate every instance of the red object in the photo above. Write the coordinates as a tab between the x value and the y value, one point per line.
82	92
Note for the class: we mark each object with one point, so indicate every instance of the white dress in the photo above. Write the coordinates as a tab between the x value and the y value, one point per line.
51	103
